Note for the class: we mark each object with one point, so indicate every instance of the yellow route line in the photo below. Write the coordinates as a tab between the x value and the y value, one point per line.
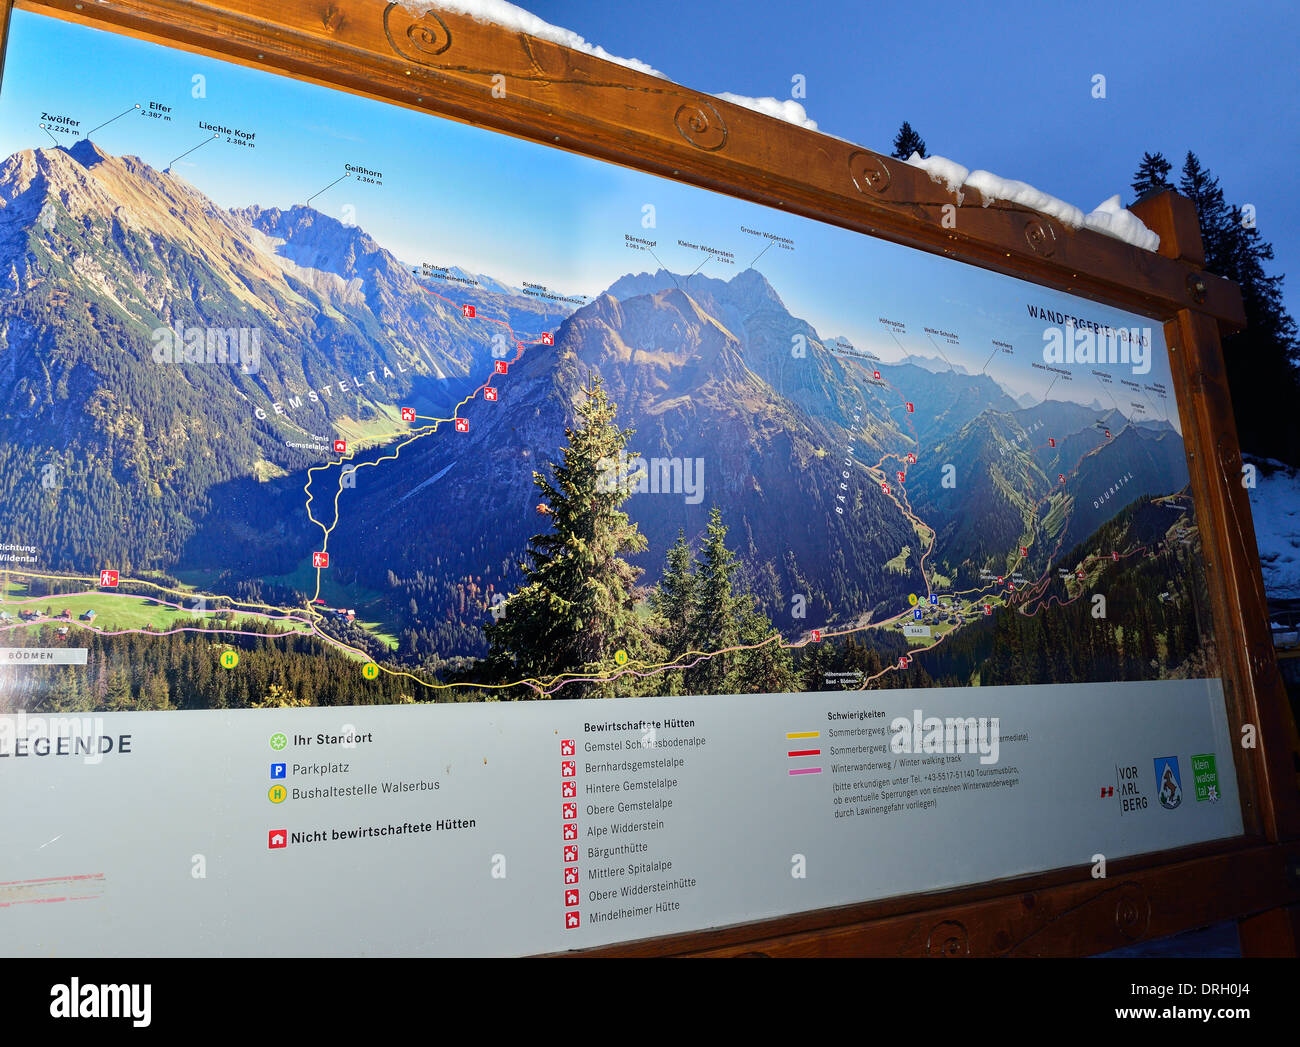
425	430
537	684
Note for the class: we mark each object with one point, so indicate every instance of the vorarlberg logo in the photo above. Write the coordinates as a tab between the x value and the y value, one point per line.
74	1000
932	734
237	346
1087	343
684	476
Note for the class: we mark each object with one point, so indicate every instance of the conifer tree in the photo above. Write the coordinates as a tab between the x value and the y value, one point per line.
1202	188
674	596
577	605
1261	360
278	697
672	602
907	142
766	666
713	624
704	610
814	662
1152	175
66	694
118	696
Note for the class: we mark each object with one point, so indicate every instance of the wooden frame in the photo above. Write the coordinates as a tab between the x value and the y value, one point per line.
443	63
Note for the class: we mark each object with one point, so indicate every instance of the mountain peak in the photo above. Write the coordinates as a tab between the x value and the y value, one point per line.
747	291
31	178
301	222
754	285
86	153
318	241
635	284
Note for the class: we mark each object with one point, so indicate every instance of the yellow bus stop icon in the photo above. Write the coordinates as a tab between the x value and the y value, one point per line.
277	794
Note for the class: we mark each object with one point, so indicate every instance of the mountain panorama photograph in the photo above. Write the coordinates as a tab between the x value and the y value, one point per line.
426	439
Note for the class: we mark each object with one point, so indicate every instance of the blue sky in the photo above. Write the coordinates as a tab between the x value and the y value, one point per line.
455	195
1007	87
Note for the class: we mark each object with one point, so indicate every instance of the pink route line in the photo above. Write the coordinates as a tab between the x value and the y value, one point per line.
56	597
52	879
169	632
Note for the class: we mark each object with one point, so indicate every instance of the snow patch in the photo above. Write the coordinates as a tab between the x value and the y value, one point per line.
993	187
940	169
1275	510
509	16
1109	218
783	109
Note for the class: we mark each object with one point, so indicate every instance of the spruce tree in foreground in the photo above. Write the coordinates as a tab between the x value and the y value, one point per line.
577	606
714	622
672	602
907	142
765	666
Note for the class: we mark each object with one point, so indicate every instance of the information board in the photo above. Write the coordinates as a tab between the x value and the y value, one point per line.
506	551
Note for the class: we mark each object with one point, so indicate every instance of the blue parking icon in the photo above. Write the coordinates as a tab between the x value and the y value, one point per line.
277	770
934	597
917	614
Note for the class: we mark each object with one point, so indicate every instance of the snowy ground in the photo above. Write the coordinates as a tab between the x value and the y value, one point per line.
1275	506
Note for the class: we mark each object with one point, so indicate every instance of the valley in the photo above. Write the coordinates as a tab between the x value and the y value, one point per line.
359	477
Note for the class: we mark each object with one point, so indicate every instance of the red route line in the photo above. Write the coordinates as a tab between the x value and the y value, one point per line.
426	430
519	351
1043	605
902	460
35	901
519	344
904	507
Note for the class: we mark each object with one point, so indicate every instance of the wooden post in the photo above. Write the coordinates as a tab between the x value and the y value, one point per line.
1214	461
1240	610
1275	933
